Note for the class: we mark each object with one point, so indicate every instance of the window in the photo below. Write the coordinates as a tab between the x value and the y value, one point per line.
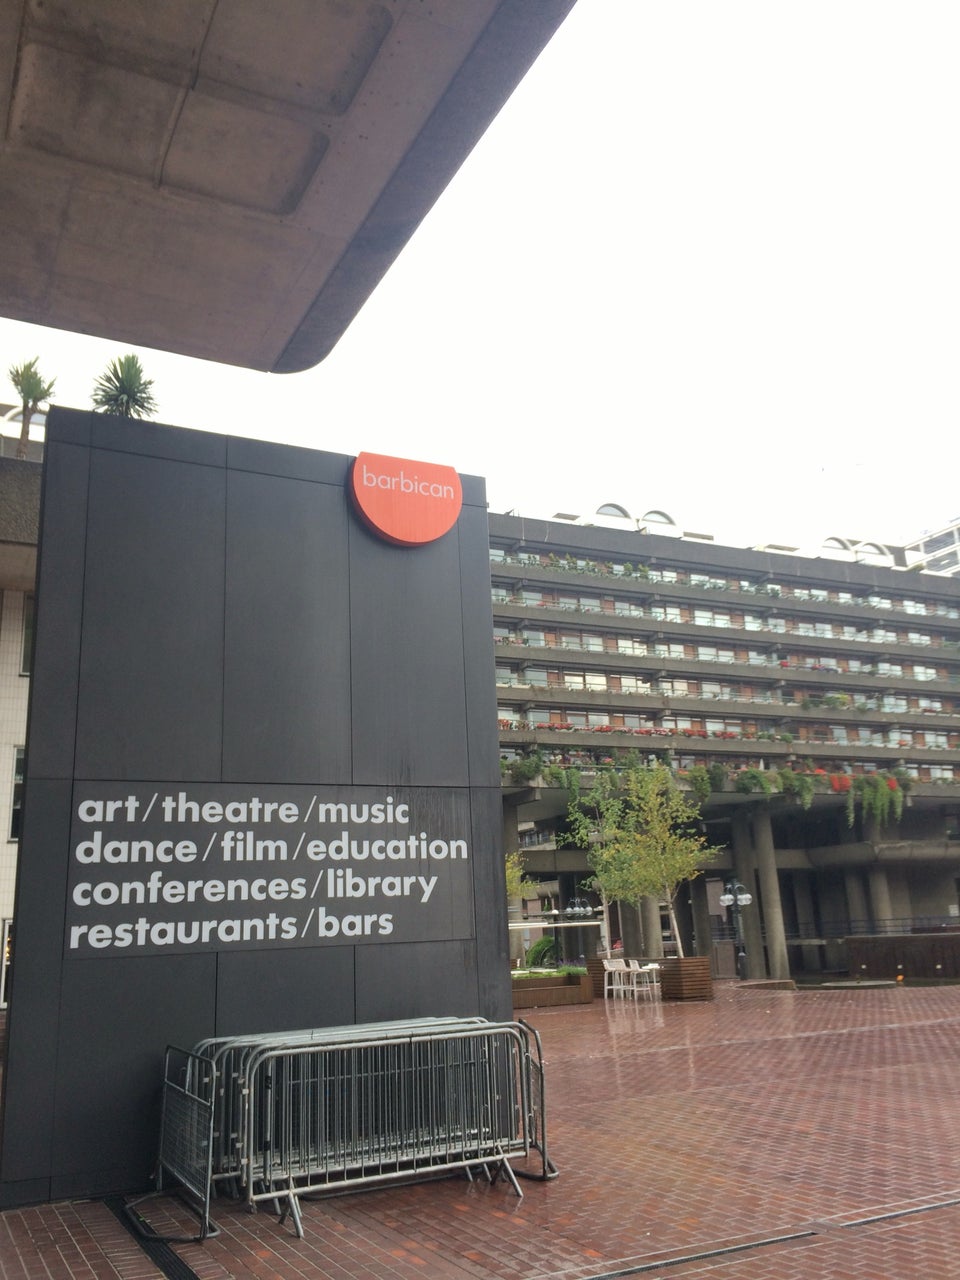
26	647
824	629
924	673
16	801
675	688
893	702
757	658
714	653
838	732
570	640
710	618
666	612
929	704
880	635
669	650
595	679
508	714
506	675
917	637
594	644
500	595
936	739
677	722
889	669
913	606
590	604
752	622
633	684
879	602
530	636
566	601
776	624
628	608
940	772
532	597
630	644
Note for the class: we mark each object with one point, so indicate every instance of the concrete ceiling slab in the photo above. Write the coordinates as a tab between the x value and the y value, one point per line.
229	179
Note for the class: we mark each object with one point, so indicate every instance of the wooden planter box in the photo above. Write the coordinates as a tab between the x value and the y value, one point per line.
686	979
547	991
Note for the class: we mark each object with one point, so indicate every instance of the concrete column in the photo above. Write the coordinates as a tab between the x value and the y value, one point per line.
630	936
858	908
701	917
743	870
803	899
652	932
777	957
881	904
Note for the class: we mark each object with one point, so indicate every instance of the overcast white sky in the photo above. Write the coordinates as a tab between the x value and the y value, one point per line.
707	259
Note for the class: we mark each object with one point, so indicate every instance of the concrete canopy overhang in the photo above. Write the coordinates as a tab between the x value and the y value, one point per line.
230	179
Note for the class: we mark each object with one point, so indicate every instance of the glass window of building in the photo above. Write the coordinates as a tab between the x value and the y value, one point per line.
936	739
533	636
669	650
674	688
500	595
633	684
889	669
929	704
918	637
666	612
508	713
590	604
26	646
593	644
924	673
630	644
16	799
595	679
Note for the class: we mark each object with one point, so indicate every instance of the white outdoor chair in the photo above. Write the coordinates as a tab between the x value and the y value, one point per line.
648	977
616	979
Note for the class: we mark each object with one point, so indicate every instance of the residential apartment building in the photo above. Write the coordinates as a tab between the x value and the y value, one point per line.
819	696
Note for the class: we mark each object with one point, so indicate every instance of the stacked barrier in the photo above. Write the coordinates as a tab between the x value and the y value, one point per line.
333	1109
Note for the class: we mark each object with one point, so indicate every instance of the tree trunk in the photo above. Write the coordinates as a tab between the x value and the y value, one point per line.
24	432
674	928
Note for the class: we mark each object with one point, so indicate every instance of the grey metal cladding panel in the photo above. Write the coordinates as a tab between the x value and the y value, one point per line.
259	991
409	715
287	639
417	980
151	658
155	440
490	897
67	426
482	738
117	1017
287	460
56	668
31	1059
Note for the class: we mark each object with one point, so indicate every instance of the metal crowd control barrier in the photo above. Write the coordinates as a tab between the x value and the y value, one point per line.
333	1109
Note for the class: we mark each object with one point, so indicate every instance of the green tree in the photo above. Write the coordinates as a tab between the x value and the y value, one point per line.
518	886
641	833
122	389
33	391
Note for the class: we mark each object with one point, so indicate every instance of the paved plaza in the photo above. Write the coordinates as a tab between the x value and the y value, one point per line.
765	1135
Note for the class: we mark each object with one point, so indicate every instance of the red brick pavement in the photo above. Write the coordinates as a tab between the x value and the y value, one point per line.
766	1135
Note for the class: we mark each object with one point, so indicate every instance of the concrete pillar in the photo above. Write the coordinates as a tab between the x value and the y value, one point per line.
881	904
858	909
743	870
803	900
511	843
652	932
777	958
703	942
630	926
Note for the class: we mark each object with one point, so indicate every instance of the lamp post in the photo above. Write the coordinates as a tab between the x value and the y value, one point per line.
736	897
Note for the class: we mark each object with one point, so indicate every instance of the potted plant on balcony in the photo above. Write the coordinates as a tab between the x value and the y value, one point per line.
641	833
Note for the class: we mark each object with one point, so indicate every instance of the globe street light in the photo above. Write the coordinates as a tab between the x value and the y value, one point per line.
736	897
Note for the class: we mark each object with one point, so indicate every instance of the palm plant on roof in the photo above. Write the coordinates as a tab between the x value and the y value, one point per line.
123	389
33	390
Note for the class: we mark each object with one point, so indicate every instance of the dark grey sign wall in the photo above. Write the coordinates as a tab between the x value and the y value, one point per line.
262	780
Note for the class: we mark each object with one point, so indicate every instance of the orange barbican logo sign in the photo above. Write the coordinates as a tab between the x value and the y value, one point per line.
407	503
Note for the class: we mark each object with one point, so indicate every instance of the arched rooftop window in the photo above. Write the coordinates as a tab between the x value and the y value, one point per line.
613	509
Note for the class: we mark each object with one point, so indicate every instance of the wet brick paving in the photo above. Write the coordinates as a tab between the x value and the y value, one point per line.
764	1135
